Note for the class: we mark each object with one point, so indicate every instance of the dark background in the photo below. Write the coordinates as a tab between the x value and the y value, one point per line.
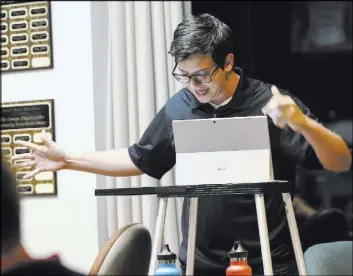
323	81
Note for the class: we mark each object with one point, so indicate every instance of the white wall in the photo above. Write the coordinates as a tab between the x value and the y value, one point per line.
66	224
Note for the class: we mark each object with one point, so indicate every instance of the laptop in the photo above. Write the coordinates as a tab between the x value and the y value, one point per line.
222	151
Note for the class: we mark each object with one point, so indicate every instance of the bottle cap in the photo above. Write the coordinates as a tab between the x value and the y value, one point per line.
238	251
166	254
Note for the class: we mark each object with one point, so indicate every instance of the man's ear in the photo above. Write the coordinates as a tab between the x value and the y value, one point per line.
229	63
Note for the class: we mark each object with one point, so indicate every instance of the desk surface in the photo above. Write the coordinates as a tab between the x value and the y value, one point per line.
273	187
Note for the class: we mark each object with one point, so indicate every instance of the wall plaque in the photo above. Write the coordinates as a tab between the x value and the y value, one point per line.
25	121
26	36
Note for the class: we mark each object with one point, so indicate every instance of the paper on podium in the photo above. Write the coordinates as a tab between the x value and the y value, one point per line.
222	151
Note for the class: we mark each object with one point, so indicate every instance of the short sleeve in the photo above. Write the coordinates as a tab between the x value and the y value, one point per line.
154	153
295	146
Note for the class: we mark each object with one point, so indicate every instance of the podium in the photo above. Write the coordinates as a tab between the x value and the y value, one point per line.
221	156
259	190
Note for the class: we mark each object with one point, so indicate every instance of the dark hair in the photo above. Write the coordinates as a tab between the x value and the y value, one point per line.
202	34
10	210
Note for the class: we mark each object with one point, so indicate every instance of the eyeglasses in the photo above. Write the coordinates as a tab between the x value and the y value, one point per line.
200	78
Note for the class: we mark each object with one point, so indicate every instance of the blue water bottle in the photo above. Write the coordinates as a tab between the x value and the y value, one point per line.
166	263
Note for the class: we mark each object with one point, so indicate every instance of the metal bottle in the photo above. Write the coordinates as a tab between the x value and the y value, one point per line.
166	263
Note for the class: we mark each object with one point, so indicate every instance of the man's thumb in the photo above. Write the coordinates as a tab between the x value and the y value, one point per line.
45	137
275	90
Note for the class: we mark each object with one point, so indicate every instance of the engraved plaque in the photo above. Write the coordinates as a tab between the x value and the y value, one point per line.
24	121
26	34
6	151
25	189
5	139
22	150
23	137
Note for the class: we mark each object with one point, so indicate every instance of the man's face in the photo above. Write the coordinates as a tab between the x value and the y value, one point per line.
202	66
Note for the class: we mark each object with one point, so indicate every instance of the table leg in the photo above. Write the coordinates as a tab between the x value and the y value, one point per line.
158	234
293	229
190	262
263	231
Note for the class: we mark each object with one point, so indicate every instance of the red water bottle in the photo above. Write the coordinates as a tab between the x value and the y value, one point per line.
238	261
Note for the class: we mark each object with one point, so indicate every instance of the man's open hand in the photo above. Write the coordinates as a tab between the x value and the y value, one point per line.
48	157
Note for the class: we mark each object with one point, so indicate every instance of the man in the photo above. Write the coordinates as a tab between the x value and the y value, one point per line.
202	49
14	258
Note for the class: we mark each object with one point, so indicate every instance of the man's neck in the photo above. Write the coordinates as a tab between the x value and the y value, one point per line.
17	255
229	88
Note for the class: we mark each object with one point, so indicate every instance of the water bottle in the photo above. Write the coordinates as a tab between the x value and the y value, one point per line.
166	263
238	261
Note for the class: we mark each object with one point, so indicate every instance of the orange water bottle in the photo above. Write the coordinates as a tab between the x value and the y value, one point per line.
238	261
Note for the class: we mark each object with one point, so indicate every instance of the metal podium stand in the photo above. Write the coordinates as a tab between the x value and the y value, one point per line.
195	191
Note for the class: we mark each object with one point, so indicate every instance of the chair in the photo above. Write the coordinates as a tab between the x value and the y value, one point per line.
334	258
127	252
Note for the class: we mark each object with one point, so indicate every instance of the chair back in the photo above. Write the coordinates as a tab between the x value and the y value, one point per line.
127	252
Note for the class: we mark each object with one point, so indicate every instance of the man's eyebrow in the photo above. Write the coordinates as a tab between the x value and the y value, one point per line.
200	70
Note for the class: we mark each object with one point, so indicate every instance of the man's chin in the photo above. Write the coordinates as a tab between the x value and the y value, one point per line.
203	99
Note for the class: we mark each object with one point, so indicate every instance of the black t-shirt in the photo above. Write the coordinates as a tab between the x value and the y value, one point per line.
225	219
